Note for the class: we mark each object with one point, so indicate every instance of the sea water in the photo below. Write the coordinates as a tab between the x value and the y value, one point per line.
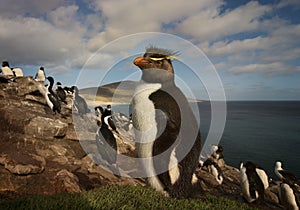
260	131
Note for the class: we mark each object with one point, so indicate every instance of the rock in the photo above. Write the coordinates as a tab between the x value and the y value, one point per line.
68	181
32	159
46	128
271	197
6	183
26	85
58	149
35	99
23	164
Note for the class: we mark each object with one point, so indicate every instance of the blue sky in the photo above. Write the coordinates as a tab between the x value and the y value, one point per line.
253	46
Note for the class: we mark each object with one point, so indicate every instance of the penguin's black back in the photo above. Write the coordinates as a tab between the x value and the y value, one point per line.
255	182
61	94
54	100
180	118
107	145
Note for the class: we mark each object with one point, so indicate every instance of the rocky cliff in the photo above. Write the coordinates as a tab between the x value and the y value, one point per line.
41	153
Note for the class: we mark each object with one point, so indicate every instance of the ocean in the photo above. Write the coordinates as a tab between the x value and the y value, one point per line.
259	131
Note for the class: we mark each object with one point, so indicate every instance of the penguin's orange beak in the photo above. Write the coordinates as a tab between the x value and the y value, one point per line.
140	62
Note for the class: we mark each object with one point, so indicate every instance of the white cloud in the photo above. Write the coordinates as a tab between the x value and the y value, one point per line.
58	34
34	41
210	25
275	68
226	48
133	16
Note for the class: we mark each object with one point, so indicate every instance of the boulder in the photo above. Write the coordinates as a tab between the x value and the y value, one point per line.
23	164
46	128
68	181
26	85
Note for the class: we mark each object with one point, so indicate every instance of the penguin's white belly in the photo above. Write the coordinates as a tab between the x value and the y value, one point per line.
50	104
264	177
287	197
6	71
40	76
145	127
143	113
245	186
18	72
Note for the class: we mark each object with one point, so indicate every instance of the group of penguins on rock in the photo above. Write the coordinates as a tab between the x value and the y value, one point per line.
254	181
157	91
53	98
10	73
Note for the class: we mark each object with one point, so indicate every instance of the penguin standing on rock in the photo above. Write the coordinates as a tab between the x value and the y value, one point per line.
253	180
167	133
289	196
51	98
285	176
61	94
79	102
17	72
40	75
105	140
6	70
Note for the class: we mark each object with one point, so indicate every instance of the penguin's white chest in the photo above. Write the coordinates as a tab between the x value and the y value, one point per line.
6	71
245	186
143	113
40	76
48	101
145	129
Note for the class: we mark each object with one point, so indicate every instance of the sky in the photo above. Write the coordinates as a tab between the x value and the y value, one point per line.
250	49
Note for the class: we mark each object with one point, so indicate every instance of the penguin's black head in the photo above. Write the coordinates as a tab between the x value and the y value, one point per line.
250	166
50	79
220	149
75	89
5	63
58	83
156	65
156	58
42	68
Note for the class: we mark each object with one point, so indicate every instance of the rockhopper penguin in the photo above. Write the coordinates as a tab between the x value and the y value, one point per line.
166	130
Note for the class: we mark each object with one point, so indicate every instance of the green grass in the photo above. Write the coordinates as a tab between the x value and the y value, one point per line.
119	197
